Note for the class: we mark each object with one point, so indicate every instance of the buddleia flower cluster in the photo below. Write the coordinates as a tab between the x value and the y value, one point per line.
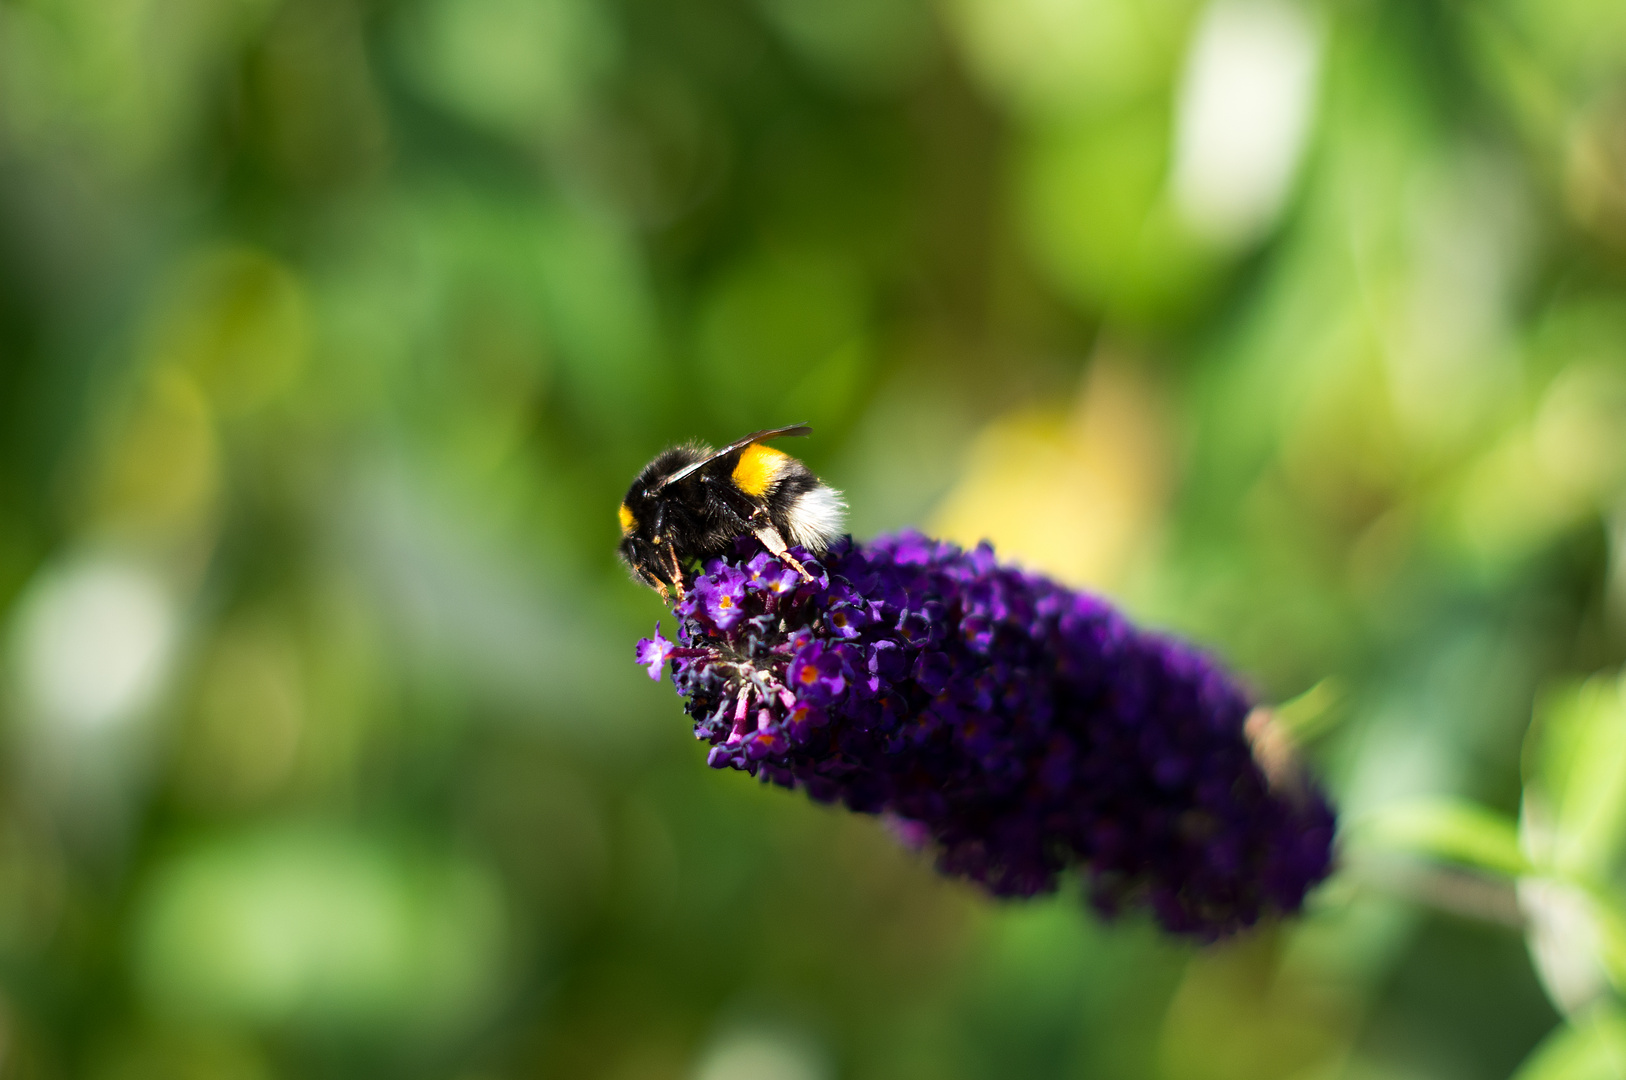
1016	728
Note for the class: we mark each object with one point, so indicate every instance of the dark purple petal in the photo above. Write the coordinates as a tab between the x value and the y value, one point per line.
847	621
816	674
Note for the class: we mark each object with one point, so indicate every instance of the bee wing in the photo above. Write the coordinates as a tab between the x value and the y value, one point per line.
737	444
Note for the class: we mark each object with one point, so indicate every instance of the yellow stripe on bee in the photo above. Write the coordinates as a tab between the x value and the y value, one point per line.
759	467
628	522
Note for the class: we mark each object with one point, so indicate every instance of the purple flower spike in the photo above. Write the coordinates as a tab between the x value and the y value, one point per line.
1012	726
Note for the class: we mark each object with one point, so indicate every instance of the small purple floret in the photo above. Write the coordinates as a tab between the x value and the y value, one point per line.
652	653
1014	727
723	595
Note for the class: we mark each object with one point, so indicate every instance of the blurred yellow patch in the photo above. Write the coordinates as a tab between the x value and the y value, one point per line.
1078	494
1342	448
180	1053
1569	462
237	323
159	469
244	737
1241	1015
1595	170
1045	58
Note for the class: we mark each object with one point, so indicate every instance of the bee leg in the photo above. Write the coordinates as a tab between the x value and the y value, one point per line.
776	544
677	571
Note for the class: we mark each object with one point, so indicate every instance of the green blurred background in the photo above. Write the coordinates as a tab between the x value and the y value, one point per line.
332	330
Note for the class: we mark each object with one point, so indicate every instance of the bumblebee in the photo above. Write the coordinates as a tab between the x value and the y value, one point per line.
692	502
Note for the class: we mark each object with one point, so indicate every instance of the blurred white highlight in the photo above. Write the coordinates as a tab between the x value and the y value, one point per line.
1246	99
92	641
763	1054
1565	943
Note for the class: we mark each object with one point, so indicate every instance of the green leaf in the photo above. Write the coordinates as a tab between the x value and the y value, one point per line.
1450	830
1575	764
1611	928
1592	1047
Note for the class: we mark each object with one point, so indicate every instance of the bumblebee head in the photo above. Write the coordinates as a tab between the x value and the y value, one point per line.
650	515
